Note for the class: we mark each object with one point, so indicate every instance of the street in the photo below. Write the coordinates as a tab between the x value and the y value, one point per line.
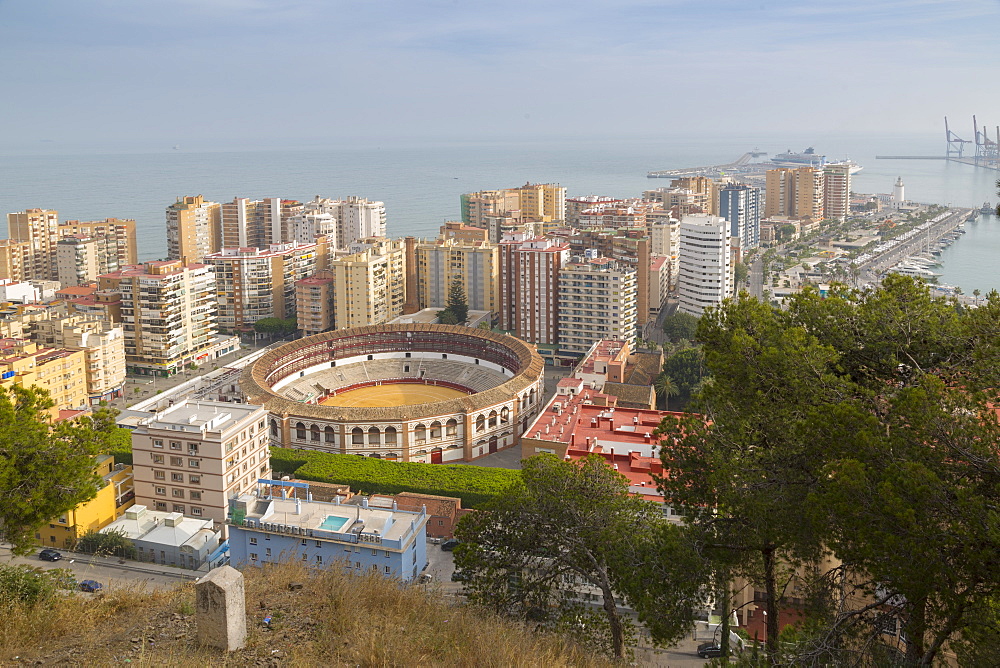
107	571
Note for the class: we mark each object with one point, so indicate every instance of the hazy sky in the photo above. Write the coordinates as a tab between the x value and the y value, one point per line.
184	70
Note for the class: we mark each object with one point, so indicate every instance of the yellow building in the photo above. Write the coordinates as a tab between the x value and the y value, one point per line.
39	228
369	286
116	494
62	372
475	265
544	202
794	192
14	256
103	346
194	228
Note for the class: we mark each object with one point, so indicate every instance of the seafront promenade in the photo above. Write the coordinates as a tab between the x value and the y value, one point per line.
874	265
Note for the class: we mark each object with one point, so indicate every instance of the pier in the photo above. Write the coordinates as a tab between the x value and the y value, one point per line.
742	165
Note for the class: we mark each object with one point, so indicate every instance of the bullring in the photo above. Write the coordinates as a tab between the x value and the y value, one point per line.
498	379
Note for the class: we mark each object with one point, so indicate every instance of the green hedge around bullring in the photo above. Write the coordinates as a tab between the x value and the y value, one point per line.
475	485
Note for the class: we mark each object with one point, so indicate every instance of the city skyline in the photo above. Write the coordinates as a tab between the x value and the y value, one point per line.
186	72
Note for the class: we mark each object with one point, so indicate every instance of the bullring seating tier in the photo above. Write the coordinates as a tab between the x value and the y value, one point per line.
474	378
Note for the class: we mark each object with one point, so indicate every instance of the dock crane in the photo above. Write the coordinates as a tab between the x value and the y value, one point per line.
955	144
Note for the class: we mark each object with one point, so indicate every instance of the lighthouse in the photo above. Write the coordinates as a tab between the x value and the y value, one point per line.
897	193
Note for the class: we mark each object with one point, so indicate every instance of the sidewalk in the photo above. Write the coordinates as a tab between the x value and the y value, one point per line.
108	563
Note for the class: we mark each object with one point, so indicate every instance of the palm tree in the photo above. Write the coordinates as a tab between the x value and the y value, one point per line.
665	387
976	294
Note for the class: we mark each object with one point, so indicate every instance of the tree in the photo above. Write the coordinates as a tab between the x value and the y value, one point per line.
457	302
740	273
111	543
680	326
862	423
45	468
568	524
686	368
665	388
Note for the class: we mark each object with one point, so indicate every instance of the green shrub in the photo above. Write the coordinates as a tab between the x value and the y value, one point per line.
114	543
475	485
23	584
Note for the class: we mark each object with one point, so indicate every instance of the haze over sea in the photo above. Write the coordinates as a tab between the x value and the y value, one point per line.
420	182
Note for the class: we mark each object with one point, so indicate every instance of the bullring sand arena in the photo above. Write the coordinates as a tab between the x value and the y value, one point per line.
406	392
392	394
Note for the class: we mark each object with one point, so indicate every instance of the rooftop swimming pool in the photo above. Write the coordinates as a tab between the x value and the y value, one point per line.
334	523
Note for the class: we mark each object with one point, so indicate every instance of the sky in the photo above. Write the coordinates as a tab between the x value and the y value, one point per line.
183	71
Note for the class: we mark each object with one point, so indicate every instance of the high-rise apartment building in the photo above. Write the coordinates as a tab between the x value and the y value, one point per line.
258	223
39	228
314	303
837	190
664	239
319	217
369	285
81	258
168	314
740	205
544	202
192	457
254	283
117	235
359	219
15	256
704	276
577	205
794	192
102	344
474	265
597	301
529	287
194	228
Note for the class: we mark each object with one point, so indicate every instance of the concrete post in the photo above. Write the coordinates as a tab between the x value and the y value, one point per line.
221	613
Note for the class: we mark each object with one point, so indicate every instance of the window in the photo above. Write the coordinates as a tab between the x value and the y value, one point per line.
386	553
177	477
440	523
196	511
388	569
192	448
357	564
253	540
319	560
305	557
253	556
319	544
194	479
179	493
161	505
304	542
157	459
175	445
194	463
374	552
195	496
159	475
162	491
177	461
267	552
178	508
157	443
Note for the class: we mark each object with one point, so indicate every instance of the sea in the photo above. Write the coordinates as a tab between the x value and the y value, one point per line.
420	181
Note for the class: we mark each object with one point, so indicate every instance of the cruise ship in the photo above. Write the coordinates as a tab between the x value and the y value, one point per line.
810	157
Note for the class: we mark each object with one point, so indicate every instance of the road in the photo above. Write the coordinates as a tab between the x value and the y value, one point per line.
108	572
757	278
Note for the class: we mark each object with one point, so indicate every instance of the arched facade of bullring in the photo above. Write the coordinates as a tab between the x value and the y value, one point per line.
503	374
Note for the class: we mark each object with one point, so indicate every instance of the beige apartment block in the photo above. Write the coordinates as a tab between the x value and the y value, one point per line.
794	192
529	287
102	344
544	202
475	265
81	258
837	191
255	283
314	303
193	228
192	457
167	312
369	285
59	371
597	301
258	223
14	257
39	228
118	235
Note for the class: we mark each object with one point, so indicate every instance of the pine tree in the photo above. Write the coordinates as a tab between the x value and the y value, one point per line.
457	303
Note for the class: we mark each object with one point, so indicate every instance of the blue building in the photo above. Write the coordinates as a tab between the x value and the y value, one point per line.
281	522
740	204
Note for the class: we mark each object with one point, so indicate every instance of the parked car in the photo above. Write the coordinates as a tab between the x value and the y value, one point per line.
458	576
709	650
449	545
48	554
90	585
424	578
